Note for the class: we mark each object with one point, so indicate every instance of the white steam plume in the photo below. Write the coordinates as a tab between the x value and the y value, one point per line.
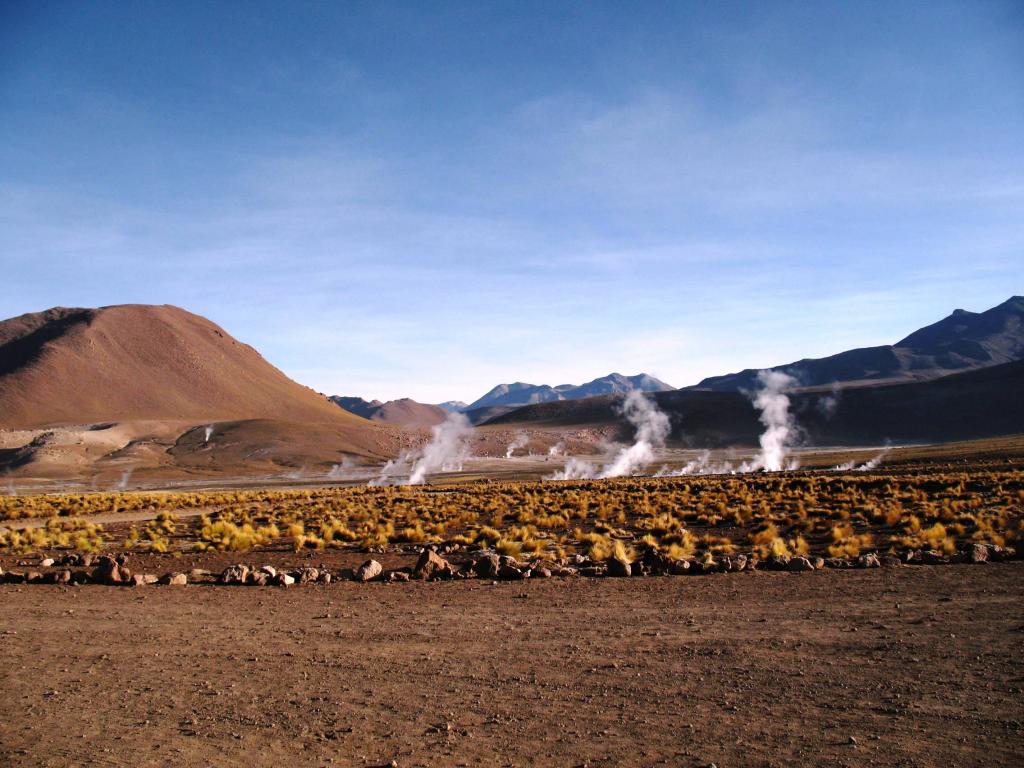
125	477
867	466
829	404
702	465
340	469
575	469
519	441
447	450
207	433
652	428
780	427
873	463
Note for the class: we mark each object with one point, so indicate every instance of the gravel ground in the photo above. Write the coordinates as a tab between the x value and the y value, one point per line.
914	666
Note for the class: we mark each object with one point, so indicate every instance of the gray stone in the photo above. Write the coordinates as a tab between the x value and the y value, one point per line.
368	571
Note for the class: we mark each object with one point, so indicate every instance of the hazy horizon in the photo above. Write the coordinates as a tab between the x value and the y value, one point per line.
393	201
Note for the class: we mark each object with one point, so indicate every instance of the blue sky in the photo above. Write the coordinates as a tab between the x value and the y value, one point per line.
427	199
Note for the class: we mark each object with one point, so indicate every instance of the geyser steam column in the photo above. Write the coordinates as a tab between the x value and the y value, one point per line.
652	428
447	450
780	428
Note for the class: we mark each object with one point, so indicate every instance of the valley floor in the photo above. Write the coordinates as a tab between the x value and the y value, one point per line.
917	666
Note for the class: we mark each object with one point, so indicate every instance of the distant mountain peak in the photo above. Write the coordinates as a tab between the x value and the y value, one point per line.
405	411
521	393
960	341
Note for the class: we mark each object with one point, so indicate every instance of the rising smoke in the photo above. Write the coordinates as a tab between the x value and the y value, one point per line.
342	468
652	427
447	451
519	441
829	404
867	466
207	433
873	463
780	427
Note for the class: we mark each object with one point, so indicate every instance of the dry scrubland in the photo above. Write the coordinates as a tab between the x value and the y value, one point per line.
937	508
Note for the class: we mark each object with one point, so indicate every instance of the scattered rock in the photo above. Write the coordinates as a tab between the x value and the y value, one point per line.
283	580
618	567
142	579
798	564
396	576
58	577
869	560
680	567
110	571
234	574
997	553
46	562
933	557
368	571
432	566
510	572
486	566
655	563
307	575
174	579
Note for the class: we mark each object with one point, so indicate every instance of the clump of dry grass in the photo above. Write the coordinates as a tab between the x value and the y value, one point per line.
838	515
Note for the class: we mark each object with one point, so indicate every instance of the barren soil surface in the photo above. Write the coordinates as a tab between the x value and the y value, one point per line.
911	666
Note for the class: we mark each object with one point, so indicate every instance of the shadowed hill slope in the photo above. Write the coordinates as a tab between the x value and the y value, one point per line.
975	404
962	341
132	362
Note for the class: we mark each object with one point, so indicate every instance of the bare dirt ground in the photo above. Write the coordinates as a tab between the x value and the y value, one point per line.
908	666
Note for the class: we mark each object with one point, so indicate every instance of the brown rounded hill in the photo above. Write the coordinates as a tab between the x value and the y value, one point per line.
135	362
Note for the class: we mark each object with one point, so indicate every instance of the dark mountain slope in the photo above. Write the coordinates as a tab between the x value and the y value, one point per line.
962	341
975	404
